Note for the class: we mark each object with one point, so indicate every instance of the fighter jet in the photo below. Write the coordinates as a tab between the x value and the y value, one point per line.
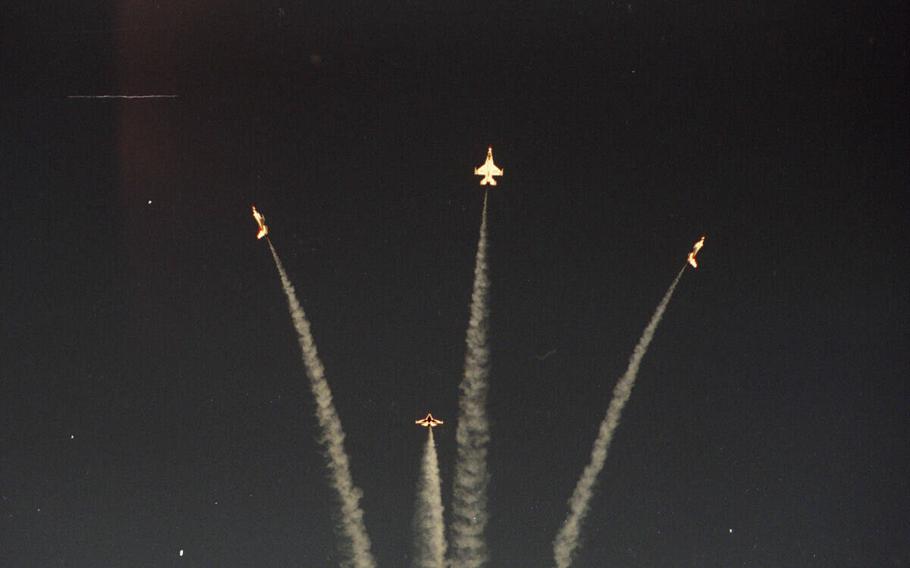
428	421
695	248
260	220
488	169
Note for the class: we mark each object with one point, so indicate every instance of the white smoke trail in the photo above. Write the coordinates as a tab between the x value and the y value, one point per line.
122	96
469	506
430	547
352	525
566	542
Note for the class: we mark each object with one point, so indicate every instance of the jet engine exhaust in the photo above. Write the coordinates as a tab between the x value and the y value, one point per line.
429	526
469	505
566	542
352	525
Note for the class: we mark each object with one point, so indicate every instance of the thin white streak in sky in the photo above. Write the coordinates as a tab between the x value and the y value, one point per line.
122	96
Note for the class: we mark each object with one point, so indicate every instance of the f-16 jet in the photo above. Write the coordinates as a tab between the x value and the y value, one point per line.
428	421
260	220
695	248
488	169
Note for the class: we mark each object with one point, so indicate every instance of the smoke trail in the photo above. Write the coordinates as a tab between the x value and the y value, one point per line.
566	542
122	96
352	526
469	507
430	547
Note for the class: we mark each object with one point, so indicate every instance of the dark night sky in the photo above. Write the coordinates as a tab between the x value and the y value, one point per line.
151	393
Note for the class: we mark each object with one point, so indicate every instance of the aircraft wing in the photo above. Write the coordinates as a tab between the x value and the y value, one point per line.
493	170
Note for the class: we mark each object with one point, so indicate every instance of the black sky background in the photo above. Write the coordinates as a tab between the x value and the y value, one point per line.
773	401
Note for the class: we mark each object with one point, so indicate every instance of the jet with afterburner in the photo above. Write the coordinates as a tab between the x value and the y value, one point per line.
428	421
260	220
488	170
695	248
